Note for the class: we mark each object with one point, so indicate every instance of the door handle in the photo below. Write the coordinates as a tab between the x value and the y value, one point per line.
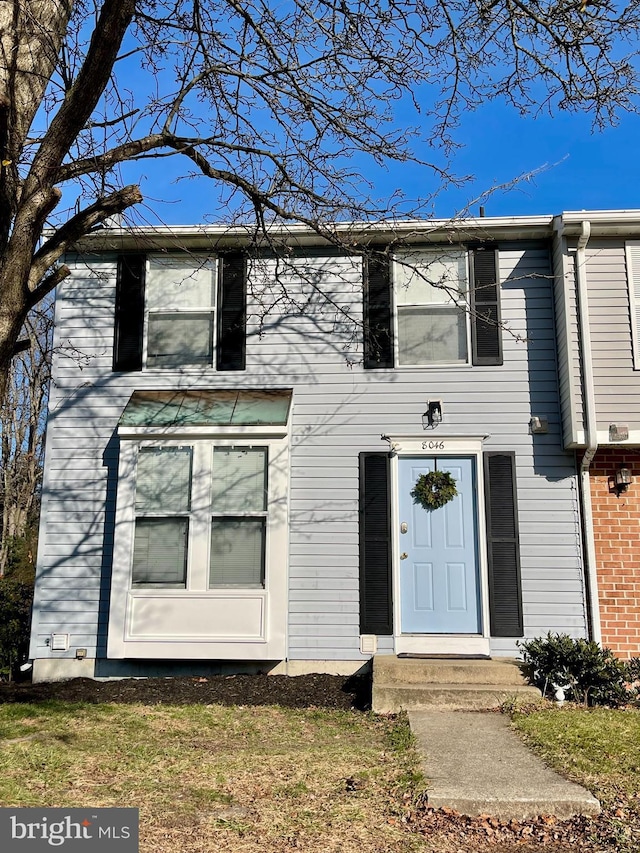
404	555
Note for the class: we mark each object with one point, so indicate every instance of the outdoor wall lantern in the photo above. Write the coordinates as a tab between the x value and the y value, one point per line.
622	479
433	416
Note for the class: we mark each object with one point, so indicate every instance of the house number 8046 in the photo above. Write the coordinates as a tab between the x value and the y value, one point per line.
433	445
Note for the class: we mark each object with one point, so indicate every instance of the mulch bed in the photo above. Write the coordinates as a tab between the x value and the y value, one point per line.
303	691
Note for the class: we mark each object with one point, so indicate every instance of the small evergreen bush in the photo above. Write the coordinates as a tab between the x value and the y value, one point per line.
588	673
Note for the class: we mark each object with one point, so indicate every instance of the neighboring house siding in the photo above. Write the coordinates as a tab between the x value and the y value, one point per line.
340	409
616	384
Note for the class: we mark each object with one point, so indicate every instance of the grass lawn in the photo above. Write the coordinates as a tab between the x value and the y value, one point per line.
214	778
599	748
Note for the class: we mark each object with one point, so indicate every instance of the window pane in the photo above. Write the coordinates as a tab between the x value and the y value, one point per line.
163	479
180	283
415	275
435	335
174	340
237	552
160	552
239	479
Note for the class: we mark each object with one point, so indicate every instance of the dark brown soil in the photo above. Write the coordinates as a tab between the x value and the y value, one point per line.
303	691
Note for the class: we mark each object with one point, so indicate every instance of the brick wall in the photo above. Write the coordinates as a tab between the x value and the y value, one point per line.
616	521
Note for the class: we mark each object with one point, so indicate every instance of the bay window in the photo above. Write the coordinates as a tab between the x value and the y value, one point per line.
200	549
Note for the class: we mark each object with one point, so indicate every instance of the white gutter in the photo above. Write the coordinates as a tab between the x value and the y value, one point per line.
591	430
176	237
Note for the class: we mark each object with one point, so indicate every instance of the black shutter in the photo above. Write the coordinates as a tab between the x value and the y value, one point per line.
376	613
129	319
505	591
486	332
378	313
232	313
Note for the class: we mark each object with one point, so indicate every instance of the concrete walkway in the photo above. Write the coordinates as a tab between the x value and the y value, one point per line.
476	765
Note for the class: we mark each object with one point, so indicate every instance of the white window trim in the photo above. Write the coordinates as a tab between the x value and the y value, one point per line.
254	620
211	261
463	303
632	257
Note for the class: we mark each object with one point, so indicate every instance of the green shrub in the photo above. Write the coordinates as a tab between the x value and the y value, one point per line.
16	597
633	667
589	674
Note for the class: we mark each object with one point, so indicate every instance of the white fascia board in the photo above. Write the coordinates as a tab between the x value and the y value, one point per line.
196	432
604	441
206	237
604	223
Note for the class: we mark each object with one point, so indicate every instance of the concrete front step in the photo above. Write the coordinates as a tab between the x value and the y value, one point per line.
392	670
414	684
475	697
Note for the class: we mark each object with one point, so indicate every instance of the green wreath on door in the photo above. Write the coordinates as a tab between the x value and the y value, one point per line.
434	489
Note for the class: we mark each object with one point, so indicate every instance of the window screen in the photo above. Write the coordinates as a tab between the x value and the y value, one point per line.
239	479
237	552
434	334
163	481
174	340
160	552
179	283
239	486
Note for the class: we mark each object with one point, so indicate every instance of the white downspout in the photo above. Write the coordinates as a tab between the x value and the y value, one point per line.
591	430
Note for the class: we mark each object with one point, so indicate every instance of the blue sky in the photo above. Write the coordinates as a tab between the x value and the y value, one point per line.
586	169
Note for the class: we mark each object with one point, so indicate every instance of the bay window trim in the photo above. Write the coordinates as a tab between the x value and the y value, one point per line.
141	618
171	433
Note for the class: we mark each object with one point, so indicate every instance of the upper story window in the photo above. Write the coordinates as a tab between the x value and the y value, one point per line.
180	301
437	306
179	312
431	290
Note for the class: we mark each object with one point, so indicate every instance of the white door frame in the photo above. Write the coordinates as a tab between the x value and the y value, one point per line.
439	445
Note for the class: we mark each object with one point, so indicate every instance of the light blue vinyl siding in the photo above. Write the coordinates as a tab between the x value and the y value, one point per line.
339	410
616	383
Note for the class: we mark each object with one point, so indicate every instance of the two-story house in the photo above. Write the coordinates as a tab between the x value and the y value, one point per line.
235	435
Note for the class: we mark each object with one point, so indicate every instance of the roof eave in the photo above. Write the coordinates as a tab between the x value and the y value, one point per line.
208	237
